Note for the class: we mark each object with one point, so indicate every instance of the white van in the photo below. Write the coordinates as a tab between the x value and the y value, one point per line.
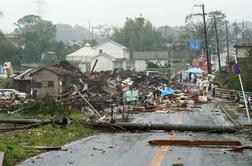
9	92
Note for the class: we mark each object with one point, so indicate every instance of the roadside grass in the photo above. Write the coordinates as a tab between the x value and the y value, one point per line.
19	145
232	114
243	111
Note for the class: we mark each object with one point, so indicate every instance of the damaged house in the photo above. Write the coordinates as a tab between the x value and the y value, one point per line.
47	81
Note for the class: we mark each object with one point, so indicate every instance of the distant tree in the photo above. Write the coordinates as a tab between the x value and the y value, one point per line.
220	21
5	48
195	29
8	51
138	35
1	13
35	35
61	49
67	33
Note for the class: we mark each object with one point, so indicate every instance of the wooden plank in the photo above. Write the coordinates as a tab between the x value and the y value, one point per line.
1	158
194	142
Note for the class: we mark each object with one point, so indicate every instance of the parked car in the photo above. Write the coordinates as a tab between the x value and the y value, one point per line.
10	92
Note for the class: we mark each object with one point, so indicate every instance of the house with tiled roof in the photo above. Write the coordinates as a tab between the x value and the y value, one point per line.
47	81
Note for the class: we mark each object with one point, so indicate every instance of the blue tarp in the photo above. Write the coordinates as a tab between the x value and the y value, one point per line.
167	91
194	70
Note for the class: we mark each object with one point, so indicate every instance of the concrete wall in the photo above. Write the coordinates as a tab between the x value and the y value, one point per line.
113	50
140	65
43	76
243	52
103	64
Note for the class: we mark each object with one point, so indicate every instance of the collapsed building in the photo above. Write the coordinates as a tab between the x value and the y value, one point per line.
47	81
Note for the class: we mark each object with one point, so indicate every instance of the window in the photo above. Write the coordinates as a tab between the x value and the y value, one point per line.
118	64
50	84
36	84
47	84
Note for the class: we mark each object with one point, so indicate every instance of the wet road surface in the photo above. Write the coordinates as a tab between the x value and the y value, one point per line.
132	149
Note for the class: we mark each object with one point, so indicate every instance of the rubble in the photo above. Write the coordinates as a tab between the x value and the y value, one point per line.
96	92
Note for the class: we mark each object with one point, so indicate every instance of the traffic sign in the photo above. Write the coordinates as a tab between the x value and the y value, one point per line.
236	68
195	44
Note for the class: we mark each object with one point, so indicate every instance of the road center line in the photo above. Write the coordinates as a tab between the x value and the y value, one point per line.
164	149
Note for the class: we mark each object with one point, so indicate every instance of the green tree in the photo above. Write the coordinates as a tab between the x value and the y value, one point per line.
220	22
6	48
138	35
61	49
8	51
195	29
35	35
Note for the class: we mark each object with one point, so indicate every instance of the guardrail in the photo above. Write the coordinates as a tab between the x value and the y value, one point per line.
230	94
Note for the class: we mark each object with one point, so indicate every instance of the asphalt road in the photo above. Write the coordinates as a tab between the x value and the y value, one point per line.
132	149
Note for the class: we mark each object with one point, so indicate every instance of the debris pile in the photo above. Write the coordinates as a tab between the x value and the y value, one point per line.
125	92
112	93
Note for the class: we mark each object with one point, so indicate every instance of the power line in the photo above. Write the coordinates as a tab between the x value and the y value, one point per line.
40	7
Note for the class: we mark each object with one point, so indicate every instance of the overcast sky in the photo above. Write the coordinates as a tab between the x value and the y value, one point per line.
114	12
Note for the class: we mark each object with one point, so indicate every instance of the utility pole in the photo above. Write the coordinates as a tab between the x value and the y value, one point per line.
217	43
209	66
243	32
186	51
236	35
89	28
227	37
236	32
166	35
40	7
246	34
92	33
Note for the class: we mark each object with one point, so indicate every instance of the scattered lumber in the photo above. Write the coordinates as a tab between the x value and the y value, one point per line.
194	142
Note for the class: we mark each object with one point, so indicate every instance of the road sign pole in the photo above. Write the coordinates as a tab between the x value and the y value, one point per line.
244	97
243	93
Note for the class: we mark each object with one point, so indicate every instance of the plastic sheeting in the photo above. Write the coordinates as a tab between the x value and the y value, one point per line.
194	70
167	91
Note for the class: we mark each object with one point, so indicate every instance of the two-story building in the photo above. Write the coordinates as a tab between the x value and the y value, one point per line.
108	55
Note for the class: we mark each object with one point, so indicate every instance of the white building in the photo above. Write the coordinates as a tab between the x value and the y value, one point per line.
110	55
83	56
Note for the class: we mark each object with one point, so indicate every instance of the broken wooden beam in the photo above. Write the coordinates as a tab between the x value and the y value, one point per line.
240	148
194	142
47	148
